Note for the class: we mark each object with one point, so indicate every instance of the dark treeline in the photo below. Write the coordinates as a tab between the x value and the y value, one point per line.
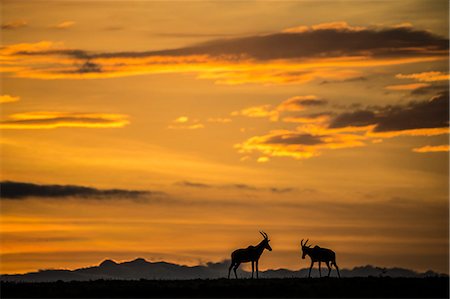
369	287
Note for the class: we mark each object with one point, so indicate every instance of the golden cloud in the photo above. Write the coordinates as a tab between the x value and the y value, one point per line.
52	120
263	159
300	103
257	112
185	123
339	26
412	132
298	144
251	59
8	99
425	76
352	129
293	104
65	25
432	149
181	119
411	86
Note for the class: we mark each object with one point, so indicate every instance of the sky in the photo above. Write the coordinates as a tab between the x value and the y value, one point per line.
178	130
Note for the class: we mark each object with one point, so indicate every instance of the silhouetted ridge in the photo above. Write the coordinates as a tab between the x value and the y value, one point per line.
108	263
142	269
138	261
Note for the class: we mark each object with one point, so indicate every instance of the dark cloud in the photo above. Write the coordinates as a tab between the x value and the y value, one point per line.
281	190
89	67
20	190
344	81
49	120
193	184
357	118
194	34
14	25
313	102
234	186
319	43
393	42
430	89
433	113
295	138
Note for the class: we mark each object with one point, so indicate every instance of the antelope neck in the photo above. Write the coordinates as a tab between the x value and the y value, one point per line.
260	247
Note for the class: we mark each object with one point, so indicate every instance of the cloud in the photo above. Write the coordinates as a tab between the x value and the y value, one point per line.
299	103
425	76
411	86
181	120
432	149
52	120
431	114
184	123
338	26
87	67
430	89
5	98
65	25
354	79
322	117
20	190
14	25
298	144
263	159
233	186
322	40
193	184
261	111
330	52
353	129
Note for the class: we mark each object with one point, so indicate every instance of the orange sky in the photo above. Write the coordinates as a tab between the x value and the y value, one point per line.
194	130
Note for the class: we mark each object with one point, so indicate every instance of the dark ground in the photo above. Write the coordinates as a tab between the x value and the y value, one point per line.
372	287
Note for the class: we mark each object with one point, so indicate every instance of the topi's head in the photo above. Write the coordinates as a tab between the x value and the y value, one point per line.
266	241
305	248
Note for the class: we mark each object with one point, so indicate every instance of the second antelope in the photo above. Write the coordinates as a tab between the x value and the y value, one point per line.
249	254
318	254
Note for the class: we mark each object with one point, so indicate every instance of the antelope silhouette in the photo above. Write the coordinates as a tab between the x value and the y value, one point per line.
249	254
318	254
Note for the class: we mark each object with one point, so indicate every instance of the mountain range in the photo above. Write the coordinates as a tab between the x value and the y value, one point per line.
142	269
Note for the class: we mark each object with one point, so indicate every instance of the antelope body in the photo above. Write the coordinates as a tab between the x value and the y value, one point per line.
318	254
249	254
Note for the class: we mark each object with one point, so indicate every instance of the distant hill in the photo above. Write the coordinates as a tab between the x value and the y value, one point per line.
142	269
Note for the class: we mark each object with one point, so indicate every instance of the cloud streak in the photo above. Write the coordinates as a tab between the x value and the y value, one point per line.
236	186
327	52
432	149
52	120
65	25
20	190
425	76
353	129
412	86
413	116
293	104
14	25
6	98
185	123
